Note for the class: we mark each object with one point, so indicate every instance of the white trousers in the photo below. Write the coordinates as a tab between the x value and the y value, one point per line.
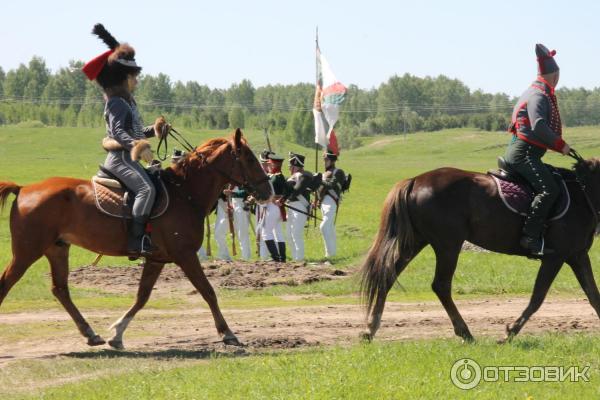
295	230
328	209
271	227
221	230
241	224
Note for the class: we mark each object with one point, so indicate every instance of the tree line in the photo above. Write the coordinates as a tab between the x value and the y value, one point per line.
401	104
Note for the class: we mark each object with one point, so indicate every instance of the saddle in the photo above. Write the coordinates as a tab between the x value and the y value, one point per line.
516	193
114	199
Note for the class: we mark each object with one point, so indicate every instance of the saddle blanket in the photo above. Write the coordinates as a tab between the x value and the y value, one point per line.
117	201
517	197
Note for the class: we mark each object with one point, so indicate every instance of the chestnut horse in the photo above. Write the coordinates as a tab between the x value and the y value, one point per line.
47	217
447	206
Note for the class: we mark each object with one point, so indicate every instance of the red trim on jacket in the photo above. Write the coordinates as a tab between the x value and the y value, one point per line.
545	82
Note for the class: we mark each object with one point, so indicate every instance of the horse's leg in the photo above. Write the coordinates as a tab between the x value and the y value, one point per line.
446	259
58	256
14	271
548	271
582	268
150	273
374	319
192	269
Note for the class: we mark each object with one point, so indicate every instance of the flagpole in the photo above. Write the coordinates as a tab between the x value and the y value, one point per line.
317	82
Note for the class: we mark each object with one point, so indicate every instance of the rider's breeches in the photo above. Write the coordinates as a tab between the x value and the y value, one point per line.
546	192
135	178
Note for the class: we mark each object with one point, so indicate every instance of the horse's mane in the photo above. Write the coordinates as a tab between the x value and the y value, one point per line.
205	152
591	165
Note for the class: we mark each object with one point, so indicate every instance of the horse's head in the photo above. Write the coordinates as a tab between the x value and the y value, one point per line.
229	160
588	173
246	168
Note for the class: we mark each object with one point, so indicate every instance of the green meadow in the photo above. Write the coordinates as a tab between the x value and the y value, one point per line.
411	369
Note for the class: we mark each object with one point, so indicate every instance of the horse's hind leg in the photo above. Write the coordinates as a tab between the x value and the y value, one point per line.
14	271
192	269
150	273
582	268
374	319
58	256
446	259
548	271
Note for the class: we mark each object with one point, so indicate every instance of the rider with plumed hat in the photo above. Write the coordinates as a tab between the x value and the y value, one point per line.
116	72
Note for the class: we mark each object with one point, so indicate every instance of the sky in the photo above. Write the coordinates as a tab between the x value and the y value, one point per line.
487	45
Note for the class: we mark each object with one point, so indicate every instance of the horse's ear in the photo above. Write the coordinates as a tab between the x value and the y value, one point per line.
237	139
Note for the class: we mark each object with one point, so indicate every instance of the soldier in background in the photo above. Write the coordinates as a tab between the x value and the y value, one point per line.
259	209
241	218
330	195
222	228
274	214
299	188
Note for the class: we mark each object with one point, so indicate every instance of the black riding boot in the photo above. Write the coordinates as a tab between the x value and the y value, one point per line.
272	247
533	235
138	242
281	248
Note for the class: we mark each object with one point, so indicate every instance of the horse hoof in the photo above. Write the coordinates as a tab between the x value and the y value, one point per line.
231	341
116	344
468	339
96	341
502	341
366	337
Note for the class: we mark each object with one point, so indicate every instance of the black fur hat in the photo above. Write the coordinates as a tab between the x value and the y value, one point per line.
111	68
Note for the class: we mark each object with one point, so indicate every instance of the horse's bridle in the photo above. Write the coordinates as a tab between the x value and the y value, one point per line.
230	176
179	138
582	183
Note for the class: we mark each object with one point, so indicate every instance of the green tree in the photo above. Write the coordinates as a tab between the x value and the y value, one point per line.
236	117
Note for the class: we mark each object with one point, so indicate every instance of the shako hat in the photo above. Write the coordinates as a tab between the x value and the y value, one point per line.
330	154
296	160
276	158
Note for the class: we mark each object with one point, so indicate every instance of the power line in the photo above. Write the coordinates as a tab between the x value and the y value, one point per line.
495	106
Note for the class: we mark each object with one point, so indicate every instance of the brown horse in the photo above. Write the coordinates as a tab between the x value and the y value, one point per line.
447	206
47	217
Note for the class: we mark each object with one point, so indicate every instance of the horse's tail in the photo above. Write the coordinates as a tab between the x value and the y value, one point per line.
394	240
7	188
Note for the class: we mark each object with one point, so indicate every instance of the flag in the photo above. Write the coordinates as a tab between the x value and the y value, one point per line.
329	96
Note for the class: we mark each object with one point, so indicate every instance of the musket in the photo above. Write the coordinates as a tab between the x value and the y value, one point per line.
257	230
301	212
208	251
230	218
266	132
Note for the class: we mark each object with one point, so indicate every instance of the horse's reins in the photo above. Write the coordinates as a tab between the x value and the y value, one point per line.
582	183
178	137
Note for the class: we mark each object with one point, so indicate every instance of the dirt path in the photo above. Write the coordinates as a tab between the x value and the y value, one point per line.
164	333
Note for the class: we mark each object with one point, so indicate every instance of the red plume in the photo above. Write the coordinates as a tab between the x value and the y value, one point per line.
93	67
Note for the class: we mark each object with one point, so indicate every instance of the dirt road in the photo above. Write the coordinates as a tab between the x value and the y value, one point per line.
156	333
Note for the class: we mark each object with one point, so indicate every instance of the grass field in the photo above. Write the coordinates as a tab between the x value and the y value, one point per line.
383	370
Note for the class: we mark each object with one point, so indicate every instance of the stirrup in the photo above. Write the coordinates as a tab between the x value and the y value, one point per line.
528	243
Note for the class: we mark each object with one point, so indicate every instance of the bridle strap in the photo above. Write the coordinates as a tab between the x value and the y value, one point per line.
582	184
179	138
229	177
